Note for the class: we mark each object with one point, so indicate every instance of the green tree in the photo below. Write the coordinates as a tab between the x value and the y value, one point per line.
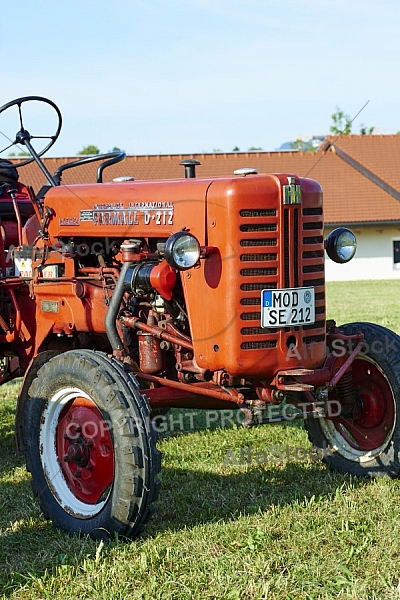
91	149
341	123
303	146
364	130
236	149
254	149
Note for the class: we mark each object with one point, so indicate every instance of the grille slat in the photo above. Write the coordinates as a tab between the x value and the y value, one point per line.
258	212
258	272
259	345
259	242
250	301
313	254
256	331
253	316
316	325
314	211
313	282
315	239
257	257
255	287
313	225
259	227
313	268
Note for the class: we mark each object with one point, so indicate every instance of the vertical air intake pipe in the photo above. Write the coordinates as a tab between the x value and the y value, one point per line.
112	312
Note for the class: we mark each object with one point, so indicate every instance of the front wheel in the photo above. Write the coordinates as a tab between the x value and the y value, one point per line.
367	442
90	446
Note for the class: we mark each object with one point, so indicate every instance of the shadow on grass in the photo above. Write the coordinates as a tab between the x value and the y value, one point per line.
188	498
192	494
35	549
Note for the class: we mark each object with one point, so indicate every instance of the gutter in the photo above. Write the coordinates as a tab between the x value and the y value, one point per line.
362	223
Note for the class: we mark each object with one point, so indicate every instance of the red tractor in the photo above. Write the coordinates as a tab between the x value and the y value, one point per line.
126	298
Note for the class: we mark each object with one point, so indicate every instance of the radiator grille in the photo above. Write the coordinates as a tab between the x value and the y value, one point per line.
296	247
300	256
262	267
312	253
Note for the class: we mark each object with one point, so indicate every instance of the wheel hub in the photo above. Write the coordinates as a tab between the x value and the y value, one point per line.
374	410
78	452
85	450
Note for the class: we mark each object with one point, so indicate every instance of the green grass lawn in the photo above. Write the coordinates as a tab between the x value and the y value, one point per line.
289	529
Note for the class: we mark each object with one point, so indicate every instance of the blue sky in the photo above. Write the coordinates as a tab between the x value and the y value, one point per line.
162	76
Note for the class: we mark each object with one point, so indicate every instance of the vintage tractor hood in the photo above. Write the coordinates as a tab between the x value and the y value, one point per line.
129	209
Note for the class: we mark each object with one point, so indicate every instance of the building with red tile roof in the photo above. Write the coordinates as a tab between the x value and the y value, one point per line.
359	175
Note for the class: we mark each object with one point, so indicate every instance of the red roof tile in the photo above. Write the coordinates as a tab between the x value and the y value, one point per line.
380	154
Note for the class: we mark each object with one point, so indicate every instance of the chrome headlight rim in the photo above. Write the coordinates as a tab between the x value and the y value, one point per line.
341	245
182	251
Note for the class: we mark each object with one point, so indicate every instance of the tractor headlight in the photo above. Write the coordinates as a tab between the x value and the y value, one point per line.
341	245
182	251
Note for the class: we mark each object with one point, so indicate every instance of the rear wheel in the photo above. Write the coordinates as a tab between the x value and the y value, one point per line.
368	441
91	448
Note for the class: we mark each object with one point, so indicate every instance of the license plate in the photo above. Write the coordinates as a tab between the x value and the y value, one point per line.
288	307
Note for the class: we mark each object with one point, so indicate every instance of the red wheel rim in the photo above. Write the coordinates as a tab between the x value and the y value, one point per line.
374	413
85	450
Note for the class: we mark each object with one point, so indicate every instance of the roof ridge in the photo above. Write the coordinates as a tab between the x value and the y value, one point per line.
361	163
365	171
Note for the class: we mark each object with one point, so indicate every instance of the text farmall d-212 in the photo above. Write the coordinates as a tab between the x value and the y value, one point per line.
127	297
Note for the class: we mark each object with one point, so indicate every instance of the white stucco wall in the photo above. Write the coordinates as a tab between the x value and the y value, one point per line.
374	256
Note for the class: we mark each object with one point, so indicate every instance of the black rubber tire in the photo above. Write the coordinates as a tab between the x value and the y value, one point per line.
127	503
381	353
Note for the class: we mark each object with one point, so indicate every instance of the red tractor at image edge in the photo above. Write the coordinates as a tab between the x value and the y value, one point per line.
120	300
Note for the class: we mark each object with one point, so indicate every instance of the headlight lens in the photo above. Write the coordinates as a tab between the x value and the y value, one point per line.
341	245
182	250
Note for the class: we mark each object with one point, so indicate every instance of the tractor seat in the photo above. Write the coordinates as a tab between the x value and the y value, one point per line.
9	181
8	173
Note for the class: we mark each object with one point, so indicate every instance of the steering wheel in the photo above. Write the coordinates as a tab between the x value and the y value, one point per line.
23	136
